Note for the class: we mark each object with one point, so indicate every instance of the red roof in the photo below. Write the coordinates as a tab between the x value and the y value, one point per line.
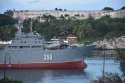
71	35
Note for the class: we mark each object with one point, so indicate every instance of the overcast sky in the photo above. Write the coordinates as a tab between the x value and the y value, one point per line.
63	4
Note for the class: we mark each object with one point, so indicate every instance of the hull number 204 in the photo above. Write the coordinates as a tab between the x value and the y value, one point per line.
48	56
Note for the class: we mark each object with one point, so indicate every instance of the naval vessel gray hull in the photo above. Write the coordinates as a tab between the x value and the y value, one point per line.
39	58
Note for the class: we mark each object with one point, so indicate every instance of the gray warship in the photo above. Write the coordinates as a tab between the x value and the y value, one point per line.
29	50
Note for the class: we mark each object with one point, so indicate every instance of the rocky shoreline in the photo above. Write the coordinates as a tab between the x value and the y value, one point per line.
111	43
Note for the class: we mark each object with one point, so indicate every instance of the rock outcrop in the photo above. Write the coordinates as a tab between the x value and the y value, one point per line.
111	43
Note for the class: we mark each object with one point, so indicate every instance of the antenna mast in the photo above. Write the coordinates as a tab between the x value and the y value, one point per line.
31	26
20	25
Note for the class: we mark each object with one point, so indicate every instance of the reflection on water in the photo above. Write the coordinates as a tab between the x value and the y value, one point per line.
47	75
93	70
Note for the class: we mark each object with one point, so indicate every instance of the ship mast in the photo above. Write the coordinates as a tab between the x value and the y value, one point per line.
19	26
31	26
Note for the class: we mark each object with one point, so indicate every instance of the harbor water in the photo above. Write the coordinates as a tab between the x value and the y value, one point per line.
93	71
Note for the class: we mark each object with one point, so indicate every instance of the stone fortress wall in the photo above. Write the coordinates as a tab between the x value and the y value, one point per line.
25	14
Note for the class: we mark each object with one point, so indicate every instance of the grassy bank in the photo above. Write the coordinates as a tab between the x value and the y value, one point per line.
86	40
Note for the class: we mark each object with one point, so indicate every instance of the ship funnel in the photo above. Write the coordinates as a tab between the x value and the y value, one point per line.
31	25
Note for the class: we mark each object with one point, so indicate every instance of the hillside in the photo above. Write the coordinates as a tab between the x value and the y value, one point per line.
60	27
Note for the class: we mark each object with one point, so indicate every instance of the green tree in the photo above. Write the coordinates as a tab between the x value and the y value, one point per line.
83	29
108	8
6	20
60	9
123	8
52	26
56	9
9	13
7	28
7	32
26	25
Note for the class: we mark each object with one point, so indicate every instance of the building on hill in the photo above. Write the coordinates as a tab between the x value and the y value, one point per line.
25	14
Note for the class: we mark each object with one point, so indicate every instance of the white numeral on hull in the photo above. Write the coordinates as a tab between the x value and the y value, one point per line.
48	56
